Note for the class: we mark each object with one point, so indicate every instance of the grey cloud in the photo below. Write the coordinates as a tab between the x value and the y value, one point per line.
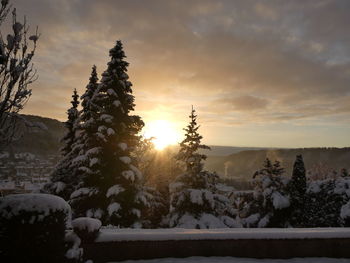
241	103
267	55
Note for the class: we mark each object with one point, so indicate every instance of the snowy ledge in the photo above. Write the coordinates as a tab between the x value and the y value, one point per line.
110	235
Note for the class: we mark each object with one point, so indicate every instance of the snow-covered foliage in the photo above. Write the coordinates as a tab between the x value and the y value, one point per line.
33	228
319	203
86	228
299	203
63	180
42	204
74	252
114	190
107	125
326	203
86	223
270	200
345	211
194	198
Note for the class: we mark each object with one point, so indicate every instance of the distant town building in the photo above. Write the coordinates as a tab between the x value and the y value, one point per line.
24	172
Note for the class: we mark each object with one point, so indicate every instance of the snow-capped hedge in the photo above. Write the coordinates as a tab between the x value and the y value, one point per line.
86	228
32	228
41	205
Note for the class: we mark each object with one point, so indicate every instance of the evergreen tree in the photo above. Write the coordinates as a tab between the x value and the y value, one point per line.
62	180
73	114
88	108
194	197
323	203
111	188
271	199
297	188
88	122
86	145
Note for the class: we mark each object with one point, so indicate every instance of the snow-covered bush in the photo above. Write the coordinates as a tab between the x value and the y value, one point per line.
326	203
269	207
74	253
86	228
345	214
154	209
32	228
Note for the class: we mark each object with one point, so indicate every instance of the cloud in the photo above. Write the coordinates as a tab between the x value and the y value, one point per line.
259	61
241	103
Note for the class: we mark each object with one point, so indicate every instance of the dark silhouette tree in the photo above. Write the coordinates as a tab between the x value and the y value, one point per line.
16	73
62	181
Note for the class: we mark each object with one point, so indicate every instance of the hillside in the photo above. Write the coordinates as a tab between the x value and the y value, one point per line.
242	165
239	163
41	138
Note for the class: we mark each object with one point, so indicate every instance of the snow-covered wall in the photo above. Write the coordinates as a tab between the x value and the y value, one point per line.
111	235
122	244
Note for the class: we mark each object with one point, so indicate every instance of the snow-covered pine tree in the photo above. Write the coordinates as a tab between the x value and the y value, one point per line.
111	189
194	198
89	109
297	188
323	202
86	150
71	125
88	124
62	181
268	209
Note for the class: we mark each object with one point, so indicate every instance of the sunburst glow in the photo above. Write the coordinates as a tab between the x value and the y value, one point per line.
163	132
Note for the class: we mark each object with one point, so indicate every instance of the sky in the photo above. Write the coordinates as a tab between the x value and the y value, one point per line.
259	73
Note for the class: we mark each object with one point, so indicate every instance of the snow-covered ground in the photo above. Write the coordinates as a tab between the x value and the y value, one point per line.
239	260
116	234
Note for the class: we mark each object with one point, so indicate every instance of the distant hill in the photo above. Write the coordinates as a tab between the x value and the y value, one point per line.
242	165
41	138
234	162
227	150
45	135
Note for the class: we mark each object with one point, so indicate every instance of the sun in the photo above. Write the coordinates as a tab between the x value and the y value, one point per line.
164	133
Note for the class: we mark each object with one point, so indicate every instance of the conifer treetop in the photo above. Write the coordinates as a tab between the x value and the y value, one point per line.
75	99
298	181
90	88
190	145
299	167
115	85
89	107
73	115
117	66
